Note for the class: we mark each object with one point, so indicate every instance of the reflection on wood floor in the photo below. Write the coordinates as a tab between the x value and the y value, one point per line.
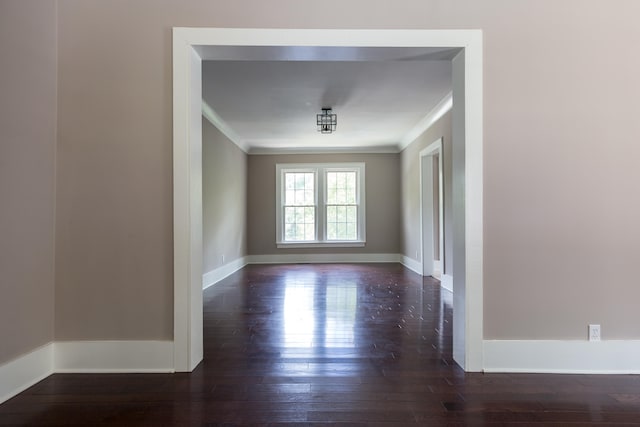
340	344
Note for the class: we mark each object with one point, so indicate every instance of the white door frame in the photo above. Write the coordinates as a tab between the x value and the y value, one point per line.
426	207
187	173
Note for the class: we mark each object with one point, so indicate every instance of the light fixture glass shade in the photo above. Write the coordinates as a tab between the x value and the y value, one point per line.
326	121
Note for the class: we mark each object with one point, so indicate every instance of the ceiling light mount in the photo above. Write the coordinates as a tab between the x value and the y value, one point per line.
326	121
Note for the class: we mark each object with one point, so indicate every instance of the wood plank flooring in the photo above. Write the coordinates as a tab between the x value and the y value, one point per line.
301	345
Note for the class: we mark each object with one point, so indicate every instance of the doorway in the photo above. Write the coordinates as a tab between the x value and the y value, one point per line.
432	210
466	157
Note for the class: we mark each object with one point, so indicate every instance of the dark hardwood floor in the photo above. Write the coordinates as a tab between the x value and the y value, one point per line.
341	344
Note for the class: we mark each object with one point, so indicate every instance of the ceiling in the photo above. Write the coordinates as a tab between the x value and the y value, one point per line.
266	98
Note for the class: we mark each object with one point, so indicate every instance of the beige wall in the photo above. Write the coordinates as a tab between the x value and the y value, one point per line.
561	152
114	256
224	199
382	175
27	174
410	167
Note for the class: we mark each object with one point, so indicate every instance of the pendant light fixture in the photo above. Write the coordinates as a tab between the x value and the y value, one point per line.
326	121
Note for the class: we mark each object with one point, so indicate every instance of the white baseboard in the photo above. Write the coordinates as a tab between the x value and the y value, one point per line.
23	372
446	282
562	357
322	258
83	357
437	266
214	276
412	264
113	356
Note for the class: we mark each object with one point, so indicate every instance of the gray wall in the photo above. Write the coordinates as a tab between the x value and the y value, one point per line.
382	184
560	113
27	174
410	167
224	199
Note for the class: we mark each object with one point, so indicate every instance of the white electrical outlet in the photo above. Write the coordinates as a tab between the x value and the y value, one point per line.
594	332
223	259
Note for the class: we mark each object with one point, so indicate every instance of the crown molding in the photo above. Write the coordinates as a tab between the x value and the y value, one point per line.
383	149
213	118
433	116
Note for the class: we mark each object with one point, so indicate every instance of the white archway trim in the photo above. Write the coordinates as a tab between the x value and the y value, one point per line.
187	180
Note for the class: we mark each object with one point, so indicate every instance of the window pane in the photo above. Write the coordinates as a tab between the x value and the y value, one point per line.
341	187
299	223
309	216
289	216
352	214
289	232
332	187
290	181
332	231
309	198
342	230
309	181
331	214
342	222
299	188
309	232
351	188
331	179
350	231
289	197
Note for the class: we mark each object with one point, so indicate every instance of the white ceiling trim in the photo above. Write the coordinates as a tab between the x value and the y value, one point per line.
433	116
223	127
386	149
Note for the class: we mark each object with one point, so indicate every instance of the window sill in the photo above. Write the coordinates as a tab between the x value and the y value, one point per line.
295	245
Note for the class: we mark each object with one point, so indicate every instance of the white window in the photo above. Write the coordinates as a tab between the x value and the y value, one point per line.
299	206
320	205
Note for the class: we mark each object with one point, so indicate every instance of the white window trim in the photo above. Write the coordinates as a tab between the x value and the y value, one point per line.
320	170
